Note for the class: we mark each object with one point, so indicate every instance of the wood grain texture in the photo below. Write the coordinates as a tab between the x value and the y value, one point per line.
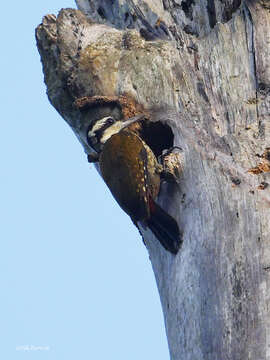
206	73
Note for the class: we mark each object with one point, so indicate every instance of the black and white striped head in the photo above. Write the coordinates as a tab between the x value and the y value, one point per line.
102	129
99	132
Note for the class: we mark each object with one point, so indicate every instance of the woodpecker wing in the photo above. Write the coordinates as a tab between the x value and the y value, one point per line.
122	164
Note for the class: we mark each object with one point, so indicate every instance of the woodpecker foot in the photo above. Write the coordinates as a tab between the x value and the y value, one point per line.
93	157
168	152
172	164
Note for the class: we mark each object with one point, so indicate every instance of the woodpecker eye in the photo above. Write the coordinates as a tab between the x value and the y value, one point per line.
110	120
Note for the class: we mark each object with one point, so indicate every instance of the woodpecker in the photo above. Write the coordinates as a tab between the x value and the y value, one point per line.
131	171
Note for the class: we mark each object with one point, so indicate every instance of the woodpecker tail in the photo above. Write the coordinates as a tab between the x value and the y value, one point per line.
164	227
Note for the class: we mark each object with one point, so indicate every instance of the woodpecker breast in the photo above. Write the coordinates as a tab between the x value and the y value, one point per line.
132	173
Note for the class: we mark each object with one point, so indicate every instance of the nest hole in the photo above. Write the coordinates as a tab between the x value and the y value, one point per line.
158	136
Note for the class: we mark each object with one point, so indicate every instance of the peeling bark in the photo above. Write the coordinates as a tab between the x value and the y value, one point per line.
202	67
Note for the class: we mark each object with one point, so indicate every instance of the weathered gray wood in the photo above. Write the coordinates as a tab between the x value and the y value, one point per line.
207	69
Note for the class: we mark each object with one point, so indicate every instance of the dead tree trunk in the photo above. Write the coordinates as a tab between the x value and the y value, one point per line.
202	67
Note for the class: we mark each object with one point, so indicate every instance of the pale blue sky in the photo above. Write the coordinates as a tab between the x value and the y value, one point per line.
75	276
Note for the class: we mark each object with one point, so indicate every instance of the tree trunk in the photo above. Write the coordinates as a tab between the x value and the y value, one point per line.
202	67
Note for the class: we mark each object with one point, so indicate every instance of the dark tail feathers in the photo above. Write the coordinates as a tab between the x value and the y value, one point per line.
165	228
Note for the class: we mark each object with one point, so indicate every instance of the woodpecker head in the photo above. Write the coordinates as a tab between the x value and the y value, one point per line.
102	129
99	132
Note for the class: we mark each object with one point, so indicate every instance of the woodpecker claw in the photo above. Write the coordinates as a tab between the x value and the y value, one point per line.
168	152
172	165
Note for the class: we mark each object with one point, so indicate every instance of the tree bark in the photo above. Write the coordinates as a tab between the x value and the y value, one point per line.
201	66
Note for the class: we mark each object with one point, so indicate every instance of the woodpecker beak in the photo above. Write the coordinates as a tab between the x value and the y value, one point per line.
132	120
